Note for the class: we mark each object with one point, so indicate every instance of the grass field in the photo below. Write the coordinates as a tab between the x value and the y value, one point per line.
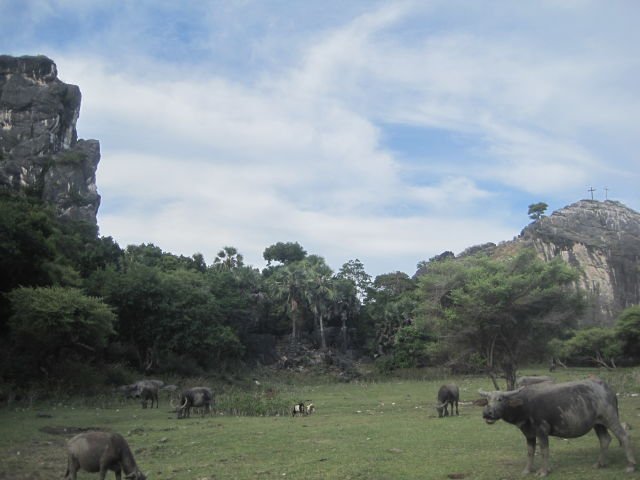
366	430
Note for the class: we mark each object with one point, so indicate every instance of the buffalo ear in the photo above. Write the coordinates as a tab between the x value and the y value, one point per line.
515	402
481	402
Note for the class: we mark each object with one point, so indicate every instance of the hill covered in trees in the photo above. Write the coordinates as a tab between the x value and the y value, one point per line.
78	309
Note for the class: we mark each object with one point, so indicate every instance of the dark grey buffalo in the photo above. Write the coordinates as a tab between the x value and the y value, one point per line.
145	390
532	380
98	452
196	397
448	395
566	410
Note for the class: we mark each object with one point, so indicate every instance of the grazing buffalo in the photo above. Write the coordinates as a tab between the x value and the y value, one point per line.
448	395
566	410
145	390
99	452
532	380
196	397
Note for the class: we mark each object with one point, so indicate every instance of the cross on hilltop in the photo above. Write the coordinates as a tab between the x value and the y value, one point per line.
606	192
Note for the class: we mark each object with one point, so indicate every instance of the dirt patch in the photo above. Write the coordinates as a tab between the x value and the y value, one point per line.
457	475
69	430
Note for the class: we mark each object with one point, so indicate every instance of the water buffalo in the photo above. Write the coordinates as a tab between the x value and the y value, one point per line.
194	397
99	452
146	392
447	395
532	380
566	410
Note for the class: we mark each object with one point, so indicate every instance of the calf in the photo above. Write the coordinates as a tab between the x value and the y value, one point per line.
298	409
99	452
566	410
447	395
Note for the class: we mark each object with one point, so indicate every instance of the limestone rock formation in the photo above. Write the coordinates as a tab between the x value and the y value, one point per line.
600	239
40	153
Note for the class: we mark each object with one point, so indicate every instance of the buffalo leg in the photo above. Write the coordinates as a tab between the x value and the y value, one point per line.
531	451
103	473
605	440
457	412
543	439
72	468
625	441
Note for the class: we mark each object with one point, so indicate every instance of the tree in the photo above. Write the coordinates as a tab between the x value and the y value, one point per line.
536	210
49	322
595	345
500	311
179	312
346	305
628	332
284	253
391	284
389	307
288	284
320	293
139	299
354	271
27	248
228	258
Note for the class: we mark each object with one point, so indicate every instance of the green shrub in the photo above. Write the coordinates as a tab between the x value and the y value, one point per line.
262	403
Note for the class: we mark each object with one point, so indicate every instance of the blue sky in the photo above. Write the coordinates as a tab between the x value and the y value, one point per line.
384	131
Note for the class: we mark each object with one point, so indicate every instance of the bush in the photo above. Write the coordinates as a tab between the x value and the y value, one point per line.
117	374
79	376
628	332
590	346
262	403
411	348
181	365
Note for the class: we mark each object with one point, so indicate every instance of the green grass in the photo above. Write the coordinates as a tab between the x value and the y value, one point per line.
379	430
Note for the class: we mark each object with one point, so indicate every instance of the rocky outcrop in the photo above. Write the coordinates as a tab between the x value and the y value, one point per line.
601	240
40	153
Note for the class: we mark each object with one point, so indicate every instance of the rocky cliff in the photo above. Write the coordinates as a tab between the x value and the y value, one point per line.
40	153
600	239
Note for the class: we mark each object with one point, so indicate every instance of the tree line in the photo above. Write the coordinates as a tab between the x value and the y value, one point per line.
75	306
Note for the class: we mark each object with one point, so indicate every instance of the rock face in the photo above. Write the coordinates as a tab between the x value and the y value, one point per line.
40	153
600	239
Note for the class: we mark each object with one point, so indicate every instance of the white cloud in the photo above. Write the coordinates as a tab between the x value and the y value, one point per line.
195	159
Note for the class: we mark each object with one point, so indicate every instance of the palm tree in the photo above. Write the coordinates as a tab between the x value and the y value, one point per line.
346	303
288	283
228	258
321	295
